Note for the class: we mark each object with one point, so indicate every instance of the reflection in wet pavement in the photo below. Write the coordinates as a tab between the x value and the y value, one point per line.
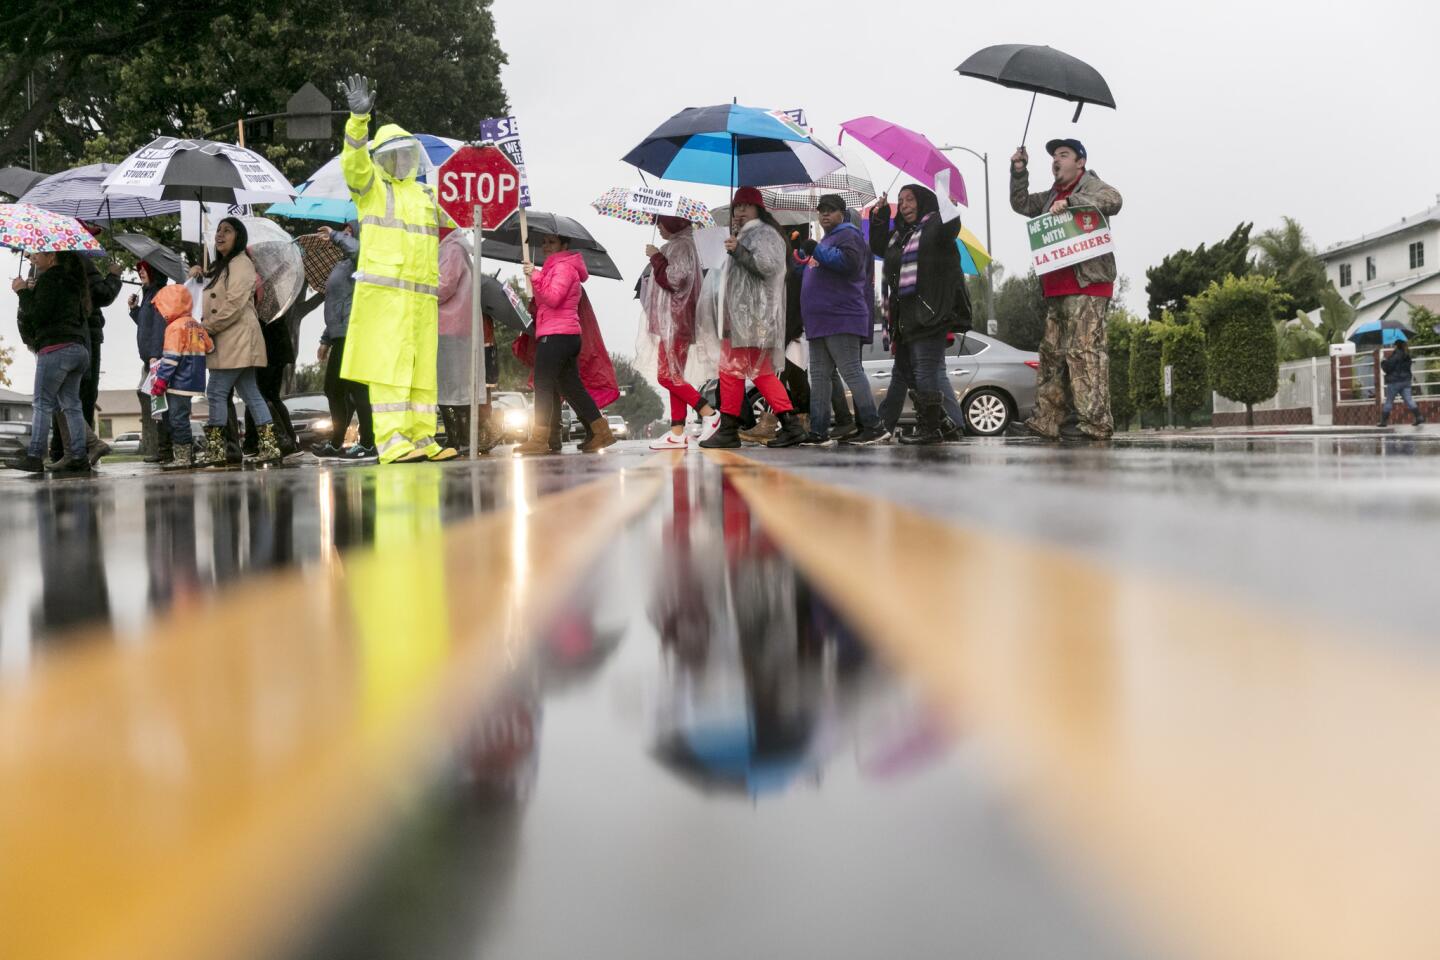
700	759
114	553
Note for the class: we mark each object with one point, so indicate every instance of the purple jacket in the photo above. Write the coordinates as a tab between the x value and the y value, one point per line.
836	289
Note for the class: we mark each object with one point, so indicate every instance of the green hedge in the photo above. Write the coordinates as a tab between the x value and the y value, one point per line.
1118	332
1147	385
1238	318
1184	353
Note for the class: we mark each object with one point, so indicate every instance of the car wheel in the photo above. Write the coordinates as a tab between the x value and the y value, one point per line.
987	413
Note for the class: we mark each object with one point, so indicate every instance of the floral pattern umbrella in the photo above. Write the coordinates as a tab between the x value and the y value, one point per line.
30	229
612	204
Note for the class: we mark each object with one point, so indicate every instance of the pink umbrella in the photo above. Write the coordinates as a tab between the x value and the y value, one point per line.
909	151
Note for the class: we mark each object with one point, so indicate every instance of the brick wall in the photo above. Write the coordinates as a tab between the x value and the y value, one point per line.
1292	417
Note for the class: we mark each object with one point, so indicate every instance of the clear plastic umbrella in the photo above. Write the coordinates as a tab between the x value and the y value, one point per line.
278	263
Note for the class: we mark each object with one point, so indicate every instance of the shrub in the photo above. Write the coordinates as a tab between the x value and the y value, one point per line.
1118	332
1147	386
1238	317
1184	353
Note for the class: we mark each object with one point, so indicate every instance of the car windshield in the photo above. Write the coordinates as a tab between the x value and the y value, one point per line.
307	403
512	400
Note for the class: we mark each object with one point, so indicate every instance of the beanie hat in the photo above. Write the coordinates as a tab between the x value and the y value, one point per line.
673	225
748	195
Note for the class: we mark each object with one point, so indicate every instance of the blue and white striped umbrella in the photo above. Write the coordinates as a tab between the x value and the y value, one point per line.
733	146
80	193
326	197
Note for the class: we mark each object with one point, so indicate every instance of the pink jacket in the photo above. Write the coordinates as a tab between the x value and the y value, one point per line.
557	293
456	289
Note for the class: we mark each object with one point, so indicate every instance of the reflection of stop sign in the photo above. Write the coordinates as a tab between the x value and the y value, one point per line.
482	175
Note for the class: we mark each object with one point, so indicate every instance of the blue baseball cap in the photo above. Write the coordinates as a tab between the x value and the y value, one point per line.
1075	145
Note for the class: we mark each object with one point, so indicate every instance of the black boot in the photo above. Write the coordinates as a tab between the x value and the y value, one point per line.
928	412
1418	419
727	437
790	433
457	427
1384	420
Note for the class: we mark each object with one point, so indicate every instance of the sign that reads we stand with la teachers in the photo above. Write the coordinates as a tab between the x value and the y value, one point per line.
1062	240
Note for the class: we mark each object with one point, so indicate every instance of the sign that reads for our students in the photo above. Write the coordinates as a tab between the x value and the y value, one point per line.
1062	240
652	200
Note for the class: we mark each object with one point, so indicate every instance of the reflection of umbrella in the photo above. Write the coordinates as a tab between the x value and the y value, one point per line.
541	223
318	255
1380	332
611	203
81	193
278	264
597	262
17	180
734	146
31	230
730	758
501	305
160	257
325	196
906	150
171	169
1039	69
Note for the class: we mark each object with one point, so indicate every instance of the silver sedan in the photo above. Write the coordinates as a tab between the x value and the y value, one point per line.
994	381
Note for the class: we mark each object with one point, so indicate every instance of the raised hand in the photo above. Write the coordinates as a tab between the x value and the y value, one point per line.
359	95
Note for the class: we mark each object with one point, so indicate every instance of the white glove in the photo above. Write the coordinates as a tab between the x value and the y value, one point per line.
358	94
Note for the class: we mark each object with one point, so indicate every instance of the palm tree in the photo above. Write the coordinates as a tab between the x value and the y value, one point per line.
1287	254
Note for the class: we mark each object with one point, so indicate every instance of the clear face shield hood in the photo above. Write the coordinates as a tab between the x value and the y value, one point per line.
399	158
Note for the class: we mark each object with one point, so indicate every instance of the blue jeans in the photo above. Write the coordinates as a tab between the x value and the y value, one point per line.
217	396
57	385
178	416
927	358
1403	390
838	352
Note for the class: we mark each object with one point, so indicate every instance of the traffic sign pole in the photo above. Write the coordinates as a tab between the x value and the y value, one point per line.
477	338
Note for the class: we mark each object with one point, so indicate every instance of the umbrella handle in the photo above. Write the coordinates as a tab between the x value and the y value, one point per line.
1078	107
1026	135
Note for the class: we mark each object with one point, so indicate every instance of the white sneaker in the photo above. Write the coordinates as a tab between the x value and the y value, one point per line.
670	442
708	426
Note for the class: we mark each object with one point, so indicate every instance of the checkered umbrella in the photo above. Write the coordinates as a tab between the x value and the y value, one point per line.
612	204
319	255
851	181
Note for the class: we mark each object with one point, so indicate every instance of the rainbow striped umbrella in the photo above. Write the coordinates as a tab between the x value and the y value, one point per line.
30	229
611	203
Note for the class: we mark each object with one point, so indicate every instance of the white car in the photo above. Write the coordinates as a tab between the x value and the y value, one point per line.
618	426
126	444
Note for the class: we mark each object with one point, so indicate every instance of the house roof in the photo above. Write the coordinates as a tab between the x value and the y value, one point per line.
10	396
1425	301
1392	293
118	402
1428	216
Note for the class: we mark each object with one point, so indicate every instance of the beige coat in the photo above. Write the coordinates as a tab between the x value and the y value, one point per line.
231	320
1091	191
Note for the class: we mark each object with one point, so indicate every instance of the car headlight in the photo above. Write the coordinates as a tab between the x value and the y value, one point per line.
322	424
515	419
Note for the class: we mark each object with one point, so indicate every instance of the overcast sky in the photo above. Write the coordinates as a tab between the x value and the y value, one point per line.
1228	111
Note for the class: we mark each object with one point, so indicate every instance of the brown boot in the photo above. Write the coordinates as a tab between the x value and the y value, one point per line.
764	430
600	436
537	446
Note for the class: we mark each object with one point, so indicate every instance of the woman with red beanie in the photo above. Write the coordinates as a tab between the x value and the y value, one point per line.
669	297
750	320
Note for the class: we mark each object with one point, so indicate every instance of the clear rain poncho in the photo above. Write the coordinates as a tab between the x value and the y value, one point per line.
743	305
669	328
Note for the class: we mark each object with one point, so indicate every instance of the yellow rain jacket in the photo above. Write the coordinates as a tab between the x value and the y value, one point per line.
392	340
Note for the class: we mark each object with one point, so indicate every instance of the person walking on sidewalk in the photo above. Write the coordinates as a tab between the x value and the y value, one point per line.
345	397
54	311
835	304
925	297
669	297
1074	373
750	320
557	349
180	373
1398	382
232	323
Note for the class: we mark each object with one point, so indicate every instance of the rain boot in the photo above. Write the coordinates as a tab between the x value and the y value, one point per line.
214	453
791	431
538	445
457	427
1418	418
182	457
1384	419
928	414
727	437
267	449
600	436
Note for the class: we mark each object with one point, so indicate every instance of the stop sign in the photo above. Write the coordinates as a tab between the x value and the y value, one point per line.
482	175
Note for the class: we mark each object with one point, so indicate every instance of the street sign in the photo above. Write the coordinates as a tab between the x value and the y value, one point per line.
1169	380
481	176
308	115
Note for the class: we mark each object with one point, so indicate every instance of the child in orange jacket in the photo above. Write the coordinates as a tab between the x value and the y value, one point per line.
180	372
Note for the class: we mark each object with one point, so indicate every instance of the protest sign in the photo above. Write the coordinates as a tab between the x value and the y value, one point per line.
504	132
652	200
1062	240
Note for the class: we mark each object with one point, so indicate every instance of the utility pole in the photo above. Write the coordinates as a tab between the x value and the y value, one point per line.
992	326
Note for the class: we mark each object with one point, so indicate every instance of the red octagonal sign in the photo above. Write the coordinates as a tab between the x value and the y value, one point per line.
482	175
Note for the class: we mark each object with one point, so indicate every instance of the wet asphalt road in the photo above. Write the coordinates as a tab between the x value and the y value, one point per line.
700	758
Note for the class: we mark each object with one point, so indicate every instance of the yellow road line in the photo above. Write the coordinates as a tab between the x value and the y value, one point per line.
197	795
1251	786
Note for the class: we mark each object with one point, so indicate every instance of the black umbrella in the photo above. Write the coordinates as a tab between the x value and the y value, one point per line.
1039	69
17	180
596	261
503	306
159	256
539	222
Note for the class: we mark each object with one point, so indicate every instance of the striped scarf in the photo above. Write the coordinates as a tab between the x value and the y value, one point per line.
910	259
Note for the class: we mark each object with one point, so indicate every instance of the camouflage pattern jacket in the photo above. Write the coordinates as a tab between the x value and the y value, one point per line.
1091	191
